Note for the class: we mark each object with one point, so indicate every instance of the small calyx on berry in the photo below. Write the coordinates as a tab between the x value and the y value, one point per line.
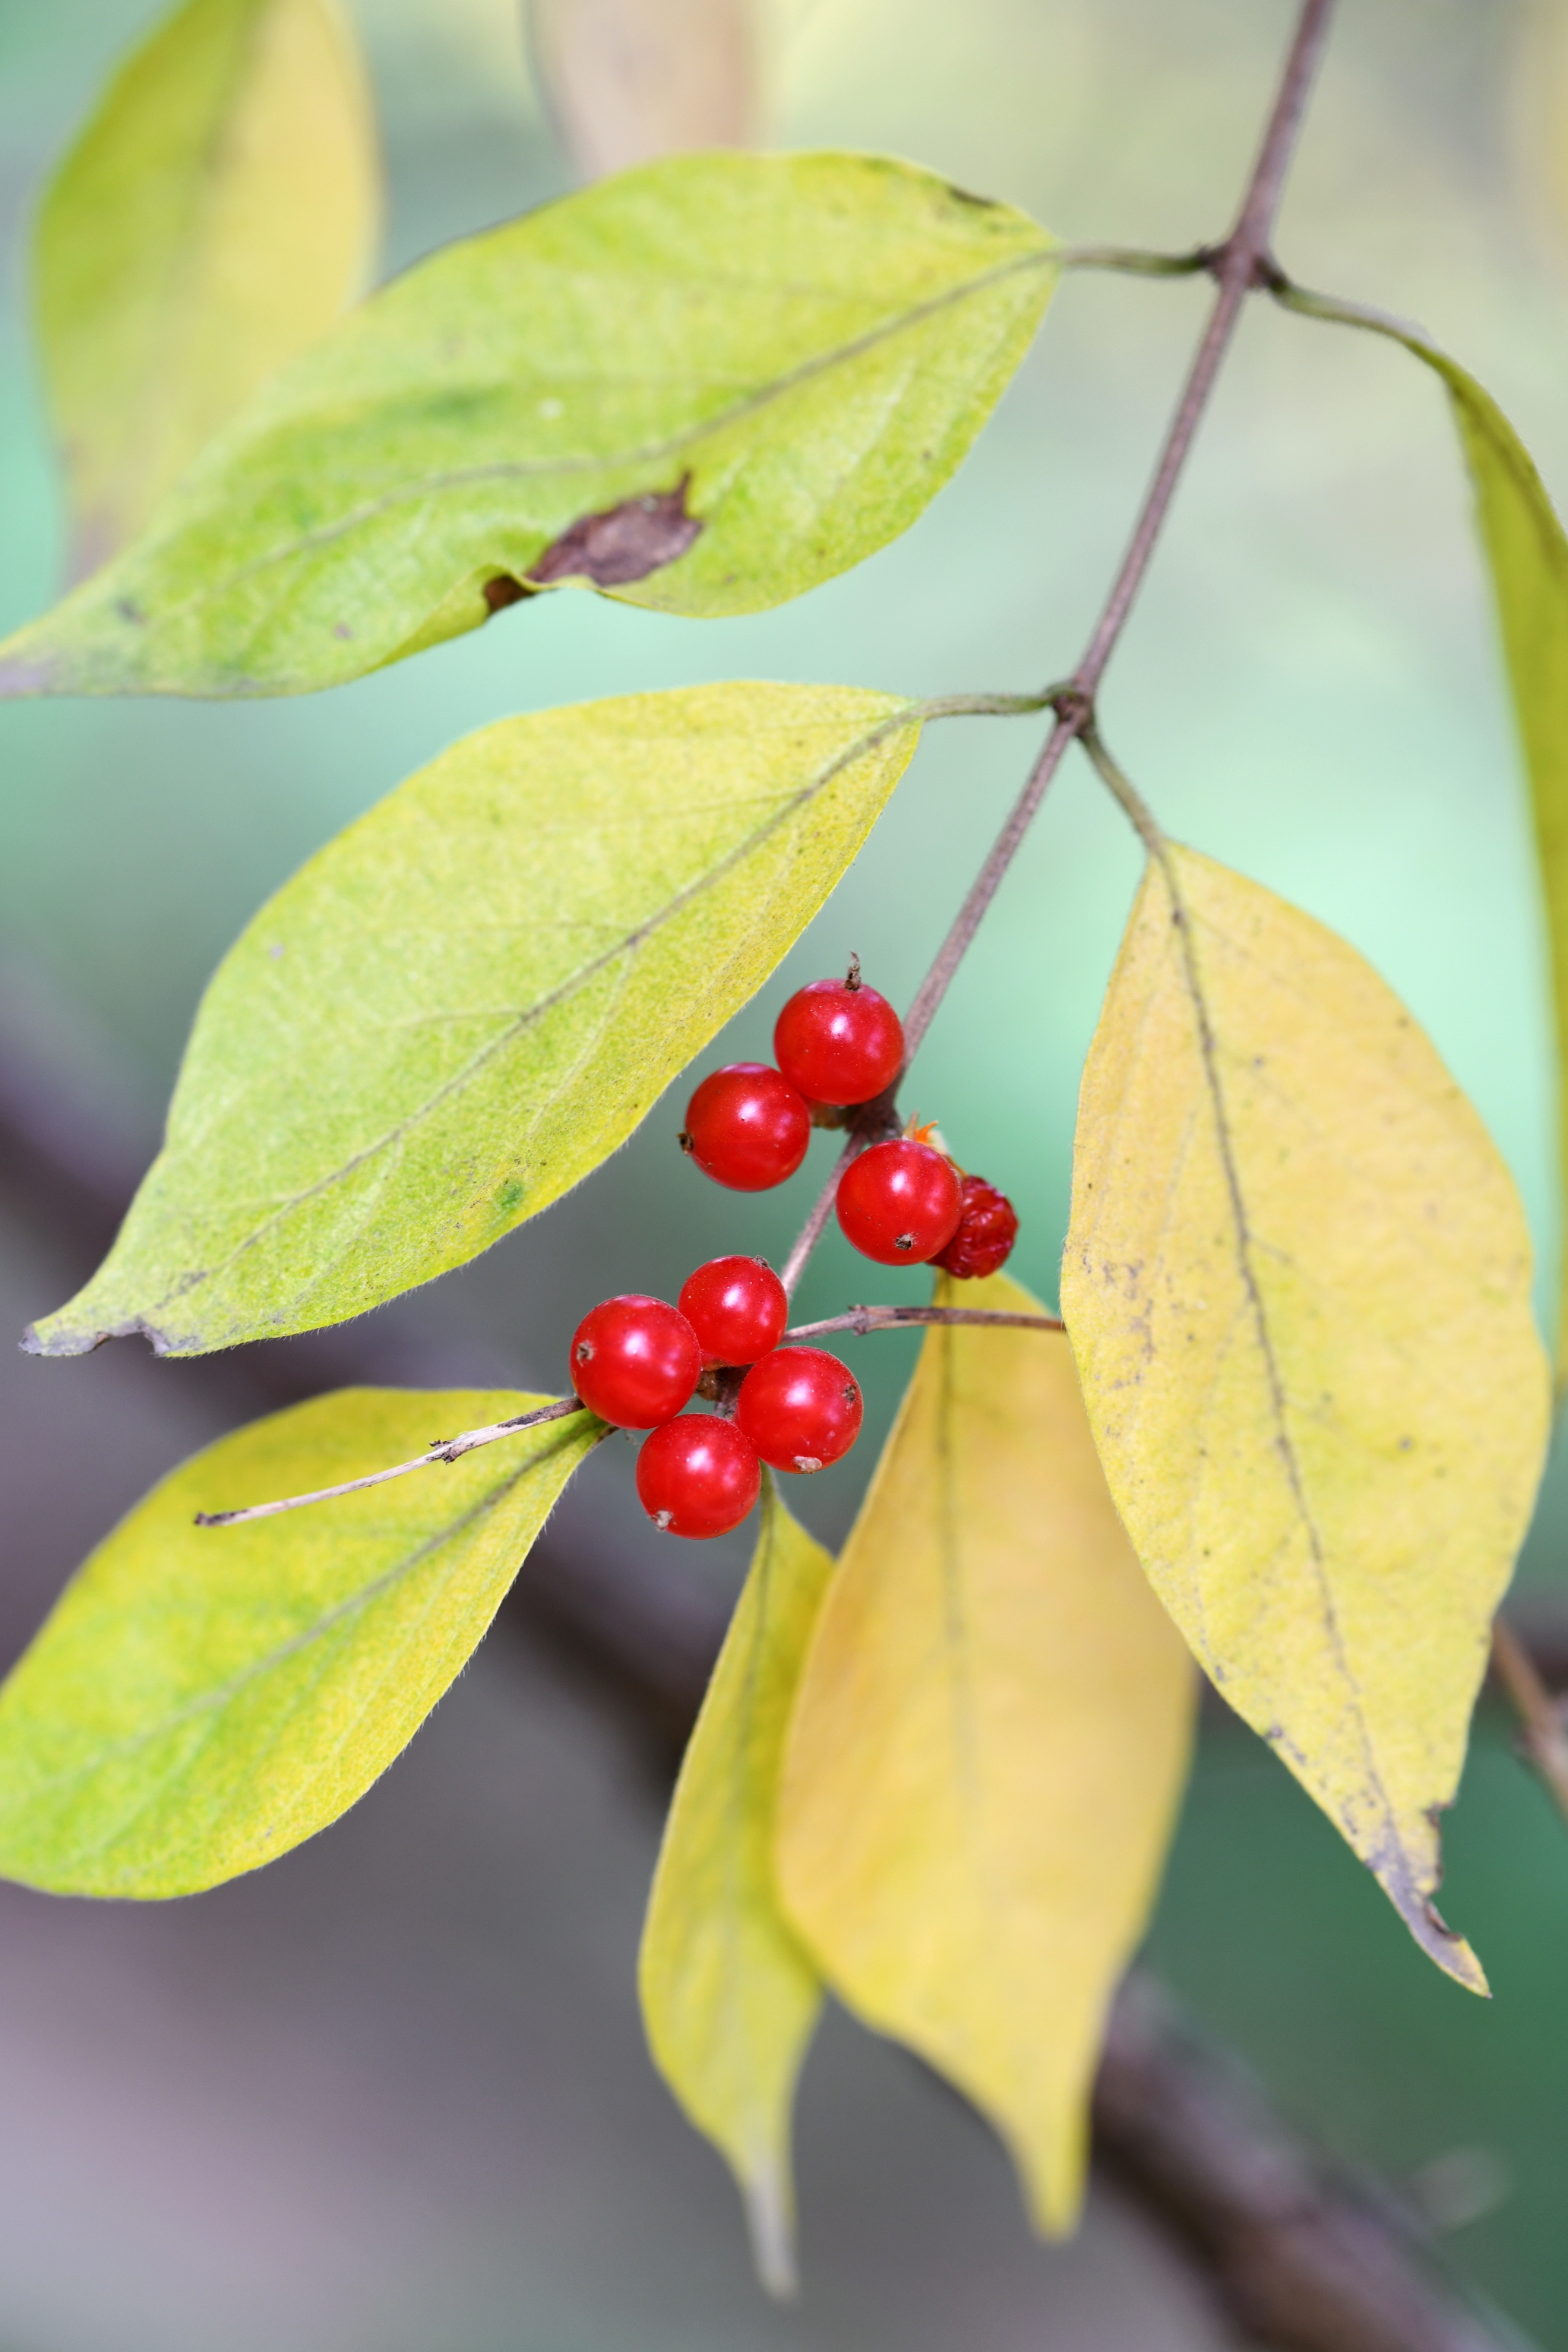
635	1360
983	1240
698	1477
801	1408
738	1308
747	1126
838	1042
899	1202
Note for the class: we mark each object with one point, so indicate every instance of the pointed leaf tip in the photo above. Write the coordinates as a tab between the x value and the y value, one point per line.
1297	1282
202	1699
989	1744
472	996
730	1999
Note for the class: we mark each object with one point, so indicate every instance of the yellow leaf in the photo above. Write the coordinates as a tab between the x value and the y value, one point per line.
216	216
729	1998
1298	1286
990	1741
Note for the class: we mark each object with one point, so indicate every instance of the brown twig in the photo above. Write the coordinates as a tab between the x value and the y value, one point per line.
1296	2256
1242	266
1169	2123
449	1449
1542	1718
861	1319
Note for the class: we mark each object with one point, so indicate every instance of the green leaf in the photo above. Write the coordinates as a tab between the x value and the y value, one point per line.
989	1745
215	217
729	1998
467	1001
704	386
204	1698
1527	556
1297	1281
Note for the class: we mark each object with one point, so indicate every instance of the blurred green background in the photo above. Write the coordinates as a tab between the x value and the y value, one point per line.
1308	690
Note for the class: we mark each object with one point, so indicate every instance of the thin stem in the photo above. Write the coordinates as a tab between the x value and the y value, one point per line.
1136	808
984	706
450	1449
1241	264
815	1226
1237	265
1541	1716
987	882
1135	261
861	1319
1309	305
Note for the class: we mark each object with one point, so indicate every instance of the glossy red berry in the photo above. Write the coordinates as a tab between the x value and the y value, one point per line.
738	1308
900	1202
986	1230
635	1360
747	1126
800	1407
698	1477
838	1041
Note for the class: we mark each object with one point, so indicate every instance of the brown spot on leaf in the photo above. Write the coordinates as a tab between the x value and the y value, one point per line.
623	543
502	590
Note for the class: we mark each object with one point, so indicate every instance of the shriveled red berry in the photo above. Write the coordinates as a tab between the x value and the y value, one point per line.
747	1126
698	1477
800	1407
986	1230
738	1308
838	1041
635	1360
900	1202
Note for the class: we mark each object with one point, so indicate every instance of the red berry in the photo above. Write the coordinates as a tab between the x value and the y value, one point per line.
738	1308
747	1126
838	1041
899	1202
698	1476
635	1360
800	1407
987	1229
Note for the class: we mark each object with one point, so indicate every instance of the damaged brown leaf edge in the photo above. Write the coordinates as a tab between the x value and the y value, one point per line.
610	549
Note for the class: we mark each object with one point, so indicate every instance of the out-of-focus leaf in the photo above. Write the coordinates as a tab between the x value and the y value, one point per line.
989	1743
729	1998
1298	1285
204	1698
216	217
466	1002
1527	556
630	80
704	386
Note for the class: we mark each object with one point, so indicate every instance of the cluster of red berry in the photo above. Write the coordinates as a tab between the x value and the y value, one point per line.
637	1361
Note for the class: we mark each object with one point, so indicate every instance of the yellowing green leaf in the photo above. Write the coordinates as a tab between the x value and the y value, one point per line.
467	1000
213	219
989	1744
729	1998
1298	1285
704	386
1527	555
204	1698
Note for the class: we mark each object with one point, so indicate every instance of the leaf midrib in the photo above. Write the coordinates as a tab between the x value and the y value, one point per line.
670	446
627	943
